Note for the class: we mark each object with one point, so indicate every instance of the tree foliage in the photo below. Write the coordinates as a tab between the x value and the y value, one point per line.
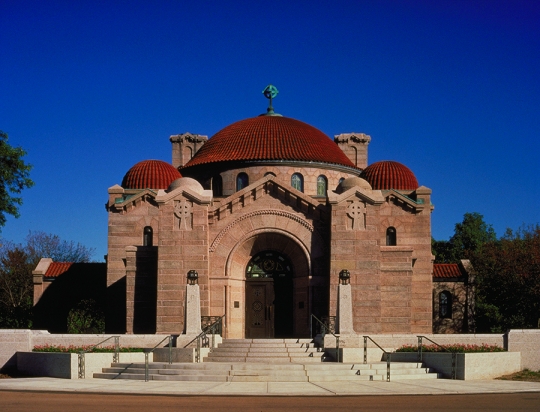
16	289
40	245
507	272
16	265
508	281
14	177
469	237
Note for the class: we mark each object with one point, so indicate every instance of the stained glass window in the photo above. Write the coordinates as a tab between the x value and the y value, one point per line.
297	181
242	180
322	184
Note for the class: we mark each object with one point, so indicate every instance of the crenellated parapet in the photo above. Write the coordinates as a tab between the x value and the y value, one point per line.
184	147
355	146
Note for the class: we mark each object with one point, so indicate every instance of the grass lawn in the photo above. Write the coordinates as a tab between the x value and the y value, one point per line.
524	375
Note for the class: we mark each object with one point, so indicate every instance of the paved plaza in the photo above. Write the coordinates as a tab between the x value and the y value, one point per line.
341	388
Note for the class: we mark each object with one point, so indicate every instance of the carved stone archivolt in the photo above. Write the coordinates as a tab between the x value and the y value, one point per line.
288	215
357	212
182	212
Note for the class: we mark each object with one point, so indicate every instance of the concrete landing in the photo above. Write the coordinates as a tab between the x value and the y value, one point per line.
345	388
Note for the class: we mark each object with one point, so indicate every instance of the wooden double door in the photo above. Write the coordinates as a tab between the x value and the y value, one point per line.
269	297
260	312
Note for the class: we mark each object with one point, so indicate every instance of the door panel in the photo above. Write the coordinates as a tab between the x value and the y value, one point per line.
260	309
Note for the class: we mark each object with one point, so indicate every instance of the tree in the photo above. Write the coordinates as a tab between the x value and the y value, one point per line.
16	265
469	236
508	277
16	288
14	177
45	245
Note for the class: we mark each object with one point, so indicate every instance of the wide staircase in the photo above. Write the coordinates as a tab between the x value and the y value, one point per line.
266	360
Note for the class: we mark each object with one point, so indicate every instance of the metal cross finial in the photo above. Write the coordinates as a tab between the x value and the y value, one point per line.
270	92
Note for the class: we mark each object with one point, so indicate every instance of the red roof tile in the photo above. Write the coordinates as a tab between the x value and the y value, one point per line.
446	270
387	174
270	138
150	174
57	268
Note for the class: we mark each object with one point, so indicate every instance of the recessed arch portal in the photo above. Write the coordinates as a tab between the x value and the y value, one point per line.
288	297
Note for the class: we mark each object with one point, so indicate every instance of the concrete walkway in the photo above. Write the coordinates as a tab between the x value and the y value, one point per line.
348	388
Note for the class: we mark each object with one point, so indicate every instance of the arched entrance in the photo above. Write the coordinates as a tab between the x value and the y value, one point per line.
269	296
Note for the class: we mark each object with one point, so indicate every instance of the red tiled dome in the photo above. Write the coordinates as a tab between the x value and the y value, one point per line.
150	174
389	175
270	138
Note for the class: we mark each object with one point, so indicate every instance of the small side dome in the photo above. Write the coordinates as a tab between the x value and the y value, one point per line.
351	182
150	174
388	174
185	183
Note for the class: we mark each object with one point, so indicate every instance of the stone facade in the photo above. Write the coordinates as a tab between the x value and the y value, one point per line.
313	218
453	298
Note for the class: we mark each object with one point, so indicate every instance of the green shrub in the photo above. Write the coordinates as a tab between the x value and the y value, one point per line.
86	317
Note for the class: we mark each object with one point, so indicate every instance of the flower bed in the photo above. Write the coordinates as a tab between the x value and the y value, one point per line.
457	348
83	348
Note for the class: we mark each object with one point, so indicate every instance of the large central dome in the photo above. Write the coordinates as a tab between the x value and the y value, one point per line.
267	138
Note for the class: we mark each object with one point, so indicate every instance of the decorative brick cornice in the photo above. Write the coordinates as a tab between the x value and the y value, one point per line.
281	213
188	137
123	204
263	187
352	137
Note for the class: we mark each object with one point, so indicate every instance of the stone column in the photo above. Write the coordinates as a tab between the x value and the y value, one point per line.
344	320
193	310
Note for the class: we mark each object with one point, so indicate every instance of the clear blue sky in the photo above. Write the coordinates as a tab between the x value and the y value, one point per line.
449	88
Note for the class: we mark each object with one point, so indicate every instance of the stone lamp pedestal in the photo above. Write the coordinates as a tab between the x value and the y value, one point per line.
344	319
193	310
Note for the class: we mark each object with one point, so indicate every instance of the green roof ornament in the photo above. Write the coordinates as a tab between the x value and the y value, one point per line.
270	92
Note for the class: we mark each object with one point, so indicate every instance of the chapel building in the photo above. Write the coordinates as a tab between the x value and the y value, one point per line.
268	212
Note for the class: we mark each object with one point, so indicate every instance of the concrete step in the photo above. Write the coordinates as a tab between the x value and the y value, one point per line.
266	360
265	372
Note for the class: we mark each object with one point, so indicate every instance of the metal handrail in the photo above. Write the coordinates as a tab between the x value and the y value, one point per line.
454	353
81	364
203	340
147	351
388	356
323	332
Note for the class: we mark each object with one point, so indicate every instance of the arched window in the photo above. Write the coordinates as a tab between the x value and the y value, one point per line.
297	181
322	184
445	304
148	236
391	239
242	180
217	186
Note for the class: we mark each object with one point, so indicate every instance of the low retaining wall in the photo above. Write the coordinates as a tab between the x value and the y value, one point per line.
469	366
24	340
66	365
12	341
526	341
517	340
